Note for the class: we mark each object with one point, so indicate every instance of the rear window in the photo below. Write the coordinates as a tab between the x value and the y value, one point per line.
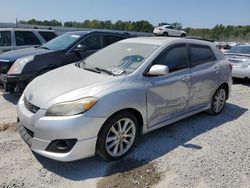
200	55
5	38
47	35
24	38
240	50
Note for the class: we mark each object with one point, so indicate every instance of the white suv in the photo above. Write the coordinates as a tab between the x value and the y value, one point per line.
169	30
17	38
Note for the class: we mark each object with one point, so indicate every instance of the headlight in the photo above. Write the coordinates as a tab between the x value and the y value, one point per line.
72	107
19	64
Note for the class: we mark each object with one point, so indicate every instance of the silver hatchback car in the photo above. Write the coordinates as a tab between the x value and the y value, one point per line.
102	104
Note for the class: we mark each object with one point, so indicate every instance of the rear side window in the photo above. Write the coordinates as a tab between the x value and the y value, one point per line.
92	42
109	39
200	55
175	58
47	35
26	38
5	38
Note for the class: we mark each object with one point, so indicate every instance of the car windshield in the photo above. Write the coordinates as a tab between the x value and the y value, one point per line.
119	58
240	50
63	41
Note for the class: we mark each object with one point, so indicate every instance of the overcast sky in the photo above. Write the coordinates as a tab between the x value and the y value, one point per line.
191	13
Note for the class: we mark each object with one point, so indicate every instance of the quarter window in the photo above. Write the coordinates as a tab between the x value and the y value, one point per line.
26	38
92	43
175	58
5	38
200	55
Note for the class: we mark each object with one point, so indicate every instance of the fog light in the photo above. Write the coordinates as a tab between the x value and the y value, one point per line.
61	146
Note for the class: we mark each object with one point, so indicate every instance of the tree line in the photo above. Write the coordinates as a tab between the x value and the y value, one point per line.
219	32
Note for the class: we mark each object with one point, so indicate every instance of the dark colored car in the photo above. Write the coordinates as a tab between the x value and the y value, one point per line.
18	68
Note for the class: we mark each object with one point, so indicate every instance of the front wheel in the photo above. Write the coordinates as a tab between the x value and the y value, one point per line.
117	136
218	101
183	35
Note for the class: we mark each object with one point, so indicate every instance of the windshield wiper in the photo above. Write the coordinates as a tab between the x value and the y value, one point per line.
93	70
43	47
104	70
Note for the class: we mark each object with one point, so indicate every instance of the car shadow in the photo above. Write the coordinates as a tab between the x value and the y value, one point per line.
237	81
11	97
150	146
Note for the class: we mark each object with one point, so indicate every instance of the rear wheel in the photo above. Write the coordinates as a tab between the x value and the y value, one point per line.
218	101
117	136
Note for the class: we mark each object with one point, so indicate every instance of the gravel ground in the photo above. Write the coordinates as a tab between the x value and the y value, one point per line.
200	151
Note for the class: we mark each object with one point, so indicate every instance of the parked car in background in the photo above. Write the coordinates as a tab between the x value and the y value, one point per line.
102	104
15	38
168	30
239	56
18	68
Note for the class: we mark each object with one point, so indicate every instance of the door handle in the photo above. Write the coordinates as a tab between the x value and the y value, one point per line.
217	69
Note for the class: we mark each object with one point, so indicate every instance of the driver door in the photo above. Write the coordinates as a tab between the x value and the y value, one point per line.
167	96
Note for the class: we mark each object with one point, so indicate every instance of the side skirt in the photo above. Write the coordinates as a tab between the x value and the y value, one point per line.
183	116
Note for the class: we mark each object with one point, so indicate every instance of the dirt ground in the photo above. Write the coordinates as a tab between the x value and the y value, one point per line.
200	151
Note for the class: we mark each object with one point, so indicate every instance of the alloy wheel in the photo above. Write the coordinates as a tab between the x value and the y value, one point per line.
120	137
219	100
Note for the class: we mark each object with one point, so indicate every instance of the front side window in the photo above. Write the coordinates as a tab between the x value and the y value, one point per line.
200	55
47	35
24	38
175	58
109	39
92	42
5	38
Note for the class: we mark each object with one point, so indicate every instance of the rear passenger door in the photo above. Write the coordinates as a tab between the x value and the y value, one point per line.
204	75
25	39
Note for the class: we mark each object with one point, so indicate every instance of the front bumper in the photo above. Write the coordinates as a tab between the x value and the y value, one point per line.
38	131
11	81
5	78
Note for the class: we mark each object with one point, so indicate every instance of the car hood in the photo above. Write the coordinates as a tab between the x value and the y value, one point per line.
12	56
66	84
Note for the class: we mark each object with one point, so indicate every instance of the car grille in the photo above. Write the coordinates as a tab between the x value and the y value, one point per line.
32	108
4	67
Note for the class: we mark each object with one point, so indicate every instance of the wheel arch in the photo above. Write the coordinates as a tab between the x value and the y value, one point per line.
133	111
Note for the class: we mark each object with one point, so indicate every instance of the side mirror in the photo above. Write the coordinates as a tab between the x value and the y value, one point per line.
80	48
158	70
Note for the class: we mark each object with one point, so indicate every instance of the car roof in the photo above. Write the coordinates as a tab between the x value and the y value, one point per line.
24	29
84	32
163	40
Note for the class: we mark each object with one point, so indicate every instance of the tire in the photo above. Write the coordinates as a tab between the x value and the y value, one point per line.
114	146
165	34
218	101
183	35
